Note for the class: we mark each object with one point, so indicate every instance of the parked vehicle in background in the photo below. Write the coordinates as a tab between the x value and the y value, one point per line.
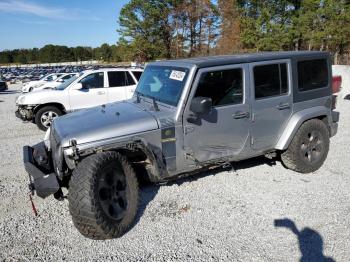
28	87
88	89
3	86
53	84
186	116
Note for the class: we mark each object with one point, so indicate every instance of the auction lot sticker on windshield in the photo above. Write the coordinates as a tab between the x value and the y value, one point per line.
177	75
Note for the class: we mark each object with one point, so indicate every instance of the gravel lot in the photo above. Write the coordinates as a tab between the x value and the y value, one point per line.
214	216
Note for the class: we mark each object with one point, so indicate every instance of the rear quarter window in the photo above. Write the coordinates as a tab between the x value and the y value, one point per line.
312	74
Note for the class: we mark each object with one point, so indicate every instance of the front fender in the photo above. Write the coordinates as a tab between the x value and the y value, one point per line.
296	121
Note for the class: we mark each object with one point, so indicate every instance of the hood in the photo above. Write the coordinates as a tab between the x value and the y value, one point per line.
38	97
103	122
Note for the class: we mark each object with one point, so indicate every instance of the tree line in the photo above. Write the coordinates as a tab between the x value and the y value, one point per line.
185	28
57	53
164	29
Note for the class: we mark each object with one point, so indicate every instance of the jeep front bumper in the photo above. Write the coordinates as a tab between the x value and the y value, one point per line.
43	183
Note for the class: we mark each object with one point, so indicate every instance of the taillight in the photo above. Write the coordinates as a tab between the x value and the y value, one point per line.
336	84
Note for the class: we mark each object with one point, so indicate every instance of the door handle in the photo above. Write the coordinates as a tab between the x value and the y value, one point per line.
283	106
101	92
239	115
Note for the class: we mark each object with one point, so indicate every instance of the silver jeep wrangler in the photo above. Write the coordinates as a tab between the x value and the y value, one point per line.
185	116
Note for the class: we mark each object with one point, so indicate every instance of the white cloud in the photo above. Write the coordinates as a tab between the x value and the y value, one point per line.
25	7
17	6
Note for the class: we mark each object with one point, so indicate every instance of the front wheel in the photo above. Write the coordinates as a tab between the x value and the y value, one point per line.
103	196
309	147
45	116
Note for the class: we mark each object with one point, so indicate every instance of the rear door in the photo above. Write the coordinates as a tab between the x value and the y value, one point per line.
131	84
271	102
116	86
92	93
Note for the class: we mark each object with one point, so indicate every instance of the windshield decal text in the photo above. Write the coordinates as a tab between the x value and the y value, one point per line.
177	75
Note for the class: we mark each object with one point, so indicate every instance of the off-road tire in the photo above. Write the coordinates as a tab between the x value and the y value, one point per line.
297	157
42	111
85	205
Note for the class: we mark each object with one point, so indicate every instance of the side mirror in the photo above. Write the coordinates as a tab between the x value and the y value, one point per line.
78	86
60	80
201	105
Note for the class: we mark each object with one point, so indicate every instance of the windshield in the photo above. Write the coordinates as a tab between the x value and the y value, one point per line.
66	83
163	83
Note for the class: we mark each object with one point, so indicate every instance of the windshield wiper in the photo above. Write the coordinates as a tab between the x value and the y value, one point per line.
138	99
155	105
154	101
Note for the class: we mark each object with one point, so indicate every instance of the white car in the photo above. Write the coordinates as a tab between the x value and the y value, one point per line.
53	84
27	87
88	89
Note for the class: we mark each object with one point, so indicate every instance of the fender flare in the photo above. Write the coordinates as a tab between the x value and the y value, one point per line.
296	121
157	166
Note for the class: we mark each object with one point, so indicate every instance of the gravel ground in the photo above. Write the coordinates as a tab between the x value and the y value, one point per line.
213	216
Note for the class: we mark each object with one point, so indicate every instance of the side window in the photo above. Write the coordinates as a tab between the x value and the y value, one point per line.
224	87
270	80
67	77
116	78
50	78
137	74
94	80
130	80
312	74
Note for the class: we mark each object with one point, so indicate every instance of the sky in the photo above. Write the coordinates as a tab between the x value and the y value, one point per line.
35	23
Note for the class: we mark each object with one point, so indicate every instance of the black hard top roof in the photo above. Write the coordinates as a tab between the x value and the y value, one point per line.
209	61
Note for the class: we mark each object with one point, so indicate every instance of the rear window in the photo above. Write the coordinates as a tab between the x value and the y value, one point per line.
270	80
137	74
312	74
116	78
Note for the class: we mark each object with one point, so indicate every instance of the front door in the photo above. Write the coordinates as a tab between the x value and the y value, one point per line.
224	132
92	93
272	102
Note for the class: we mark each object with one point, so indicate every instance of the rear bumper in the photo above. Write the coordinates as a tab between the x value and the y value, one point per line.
43	183
334	129
334	124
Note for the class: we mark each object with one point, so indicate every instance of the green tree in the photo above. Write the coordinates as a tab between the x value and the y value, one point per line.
145	27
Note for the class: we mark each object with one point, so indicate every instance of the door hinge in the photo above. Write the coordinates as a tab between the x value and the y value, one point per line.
252	140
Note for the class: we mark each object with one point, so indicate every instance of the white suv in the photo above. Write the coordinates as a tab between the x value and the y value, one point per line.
28	87
88	89
55	83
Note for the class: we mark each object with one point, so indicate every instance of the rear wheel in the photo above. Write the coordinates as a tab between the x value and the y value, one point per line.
309	147
45	116
103	196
